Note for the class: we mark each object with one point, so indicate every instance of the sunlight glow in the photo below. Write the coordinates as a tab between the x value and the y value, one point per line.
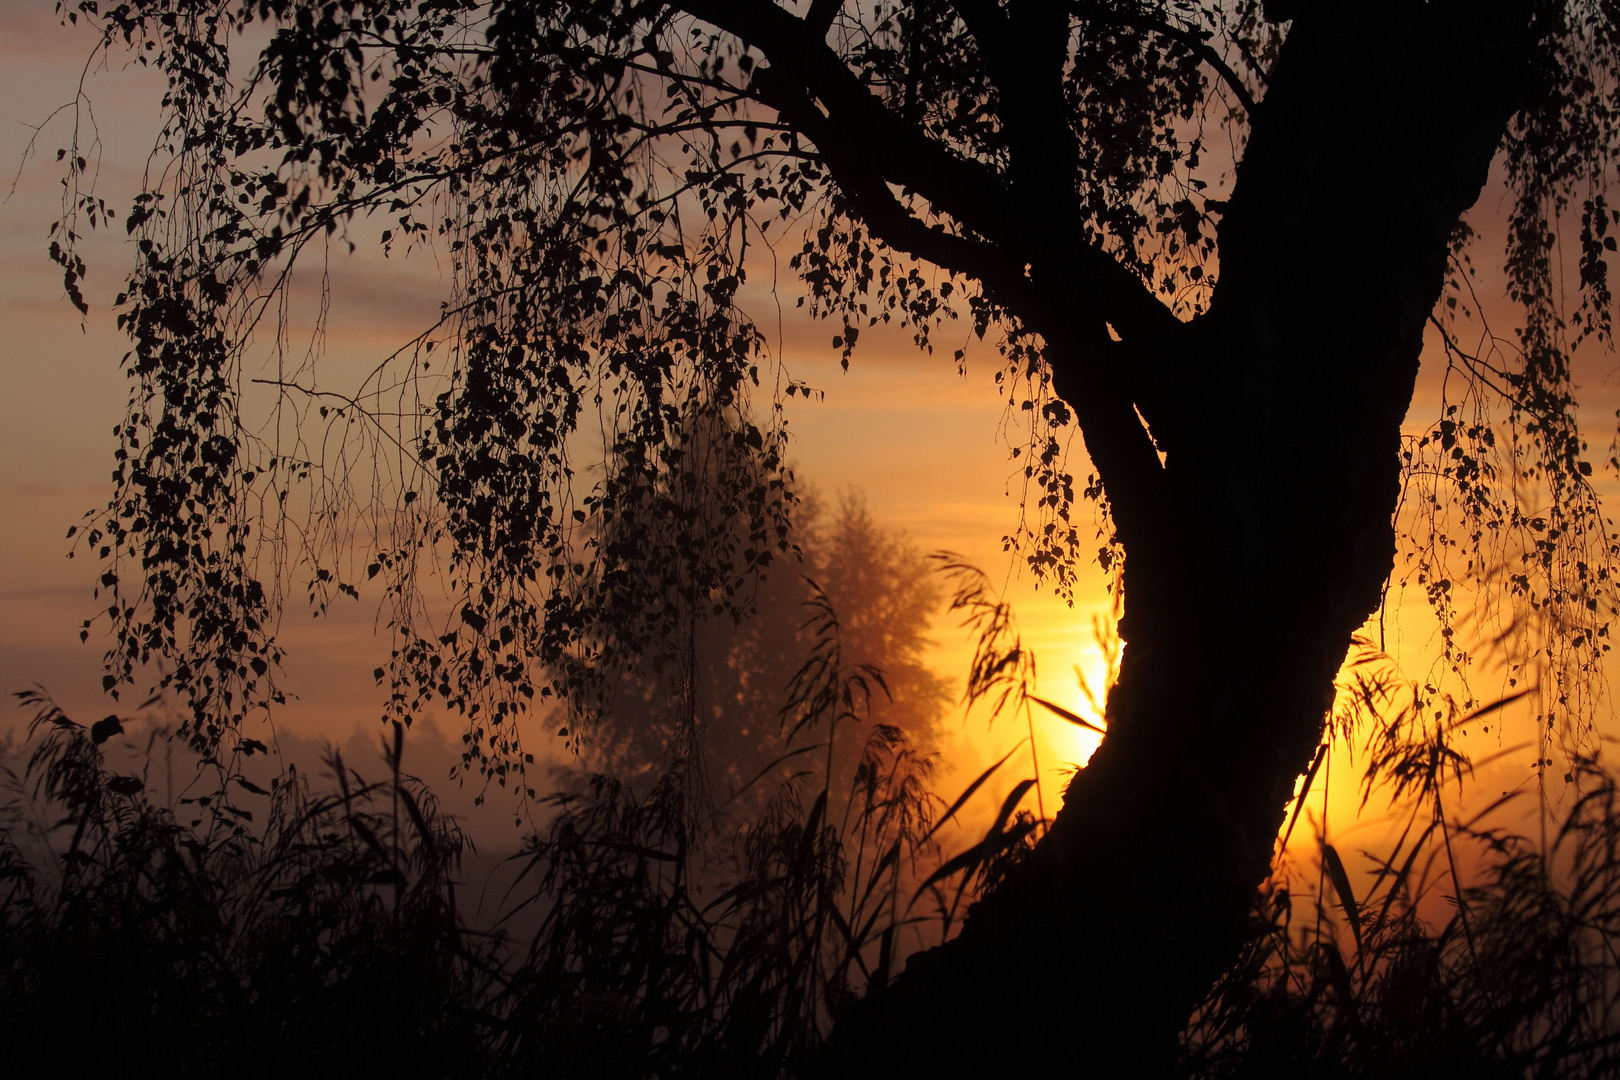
1071	745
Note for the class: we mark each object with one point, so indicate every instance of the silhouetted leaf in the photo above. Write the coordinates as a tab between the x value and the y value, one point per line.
1341	884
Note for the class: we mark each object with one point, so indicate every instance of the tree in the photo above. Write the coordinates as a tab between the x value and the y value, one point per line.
1235	335
728	697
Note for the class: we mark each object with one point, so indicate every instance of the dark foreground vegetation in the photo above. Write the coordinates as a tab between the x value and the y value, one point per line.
313	928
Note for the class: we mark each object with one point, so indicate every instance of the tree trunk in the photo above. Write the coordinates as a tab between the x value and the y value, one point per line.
1096	950
1272	544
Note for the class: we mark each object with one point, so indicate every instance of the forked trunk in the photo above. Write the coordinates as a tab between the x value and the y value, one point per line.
1265	548
1088	960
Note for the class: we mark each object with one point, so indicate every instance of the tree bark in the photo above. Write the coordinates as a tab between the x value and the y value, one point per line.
1271	542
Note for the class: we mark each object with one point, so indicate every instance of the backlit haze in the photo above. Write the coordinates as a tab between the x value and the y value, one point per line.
918	440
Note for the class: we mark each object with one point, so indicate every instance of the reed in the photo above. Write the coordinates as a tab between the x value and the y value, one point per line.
313	927
1473	950
263	932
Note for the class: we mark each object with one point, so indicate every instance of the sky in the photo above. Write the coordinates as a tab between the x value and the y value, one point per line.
920	441
906	430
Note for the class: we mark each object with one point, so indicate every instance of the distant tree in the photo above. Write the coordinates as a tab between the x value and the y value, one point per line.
736	713
1208	235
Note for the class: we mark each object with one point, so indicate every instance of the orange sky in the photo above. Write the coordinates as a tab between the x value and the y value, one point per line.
918	440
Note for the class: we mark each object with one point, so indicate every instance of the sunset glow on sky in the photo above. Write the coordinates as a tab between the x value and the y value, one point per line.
918	440
905	429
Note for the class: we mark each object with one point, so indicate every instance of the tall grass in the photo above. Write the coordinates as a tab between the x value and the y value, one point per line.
306	934
678	942
1473	951
284	929
312	928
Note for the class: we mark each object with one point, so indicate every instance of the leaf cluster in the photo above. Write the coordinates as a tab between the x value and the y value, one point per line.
601	178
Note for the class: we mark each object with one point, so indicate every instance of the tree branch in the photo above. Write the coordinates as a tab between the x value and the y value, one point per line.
966	190
1025	50
890	220
819	18
1271	197
1033	256
1191	40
